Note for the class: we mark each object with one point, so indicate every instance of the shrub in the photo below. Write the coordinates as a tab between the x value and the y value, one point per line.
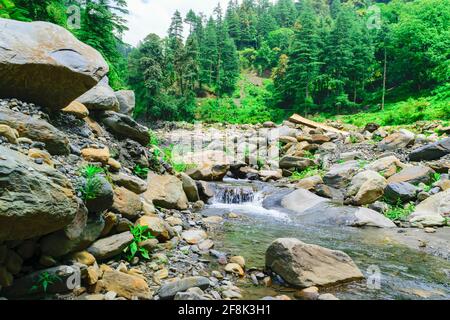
140	233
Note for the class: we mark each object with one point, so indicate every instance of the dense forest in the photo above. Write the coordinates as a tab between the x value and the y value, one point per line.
313	56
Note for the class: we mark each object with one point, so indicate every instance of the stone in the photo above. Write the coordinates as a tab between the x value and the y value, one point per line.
194	236
170	289
114	165
96	155
40	154
57	244
309	183
386	166
127	101
132	183
311	293
127	203
269	124
298	163
397	140
304	265
34	200
104	197
92	275
125	127
13	262
231	294
6	278
327	296
111	246
432	151
83	257
327	147
56	142
207	172
149	244
110	222
126	285
239	260
189	296
173	221
9	133
371	127
210	165
432	211
205	245
156	226
189	187
99	98
266	175
235	268
404	191
76	109
26	249
320	138
367	187
413	175
62	276
36	54
205	190
166	191
212	219
340	175
94	126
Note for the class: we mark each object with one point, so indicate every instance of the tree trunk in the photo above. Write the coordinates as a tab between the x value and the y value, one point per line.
384	79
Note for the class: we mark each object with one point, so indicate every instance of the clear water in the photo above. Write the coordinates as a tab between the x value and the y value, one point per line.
406	273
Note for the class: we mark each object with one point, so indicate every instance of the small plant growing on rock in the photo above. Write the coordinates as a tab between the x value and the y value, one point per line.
140	233
44	280
308	172
399	212
92	184
141	171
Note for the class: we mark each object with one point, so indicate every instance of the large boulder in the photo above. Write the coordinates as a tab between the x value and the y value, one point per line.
210	165
132	183
386	166
157	227
127	101
413	175
125	127
189	187
297	163
397	140
432	151
100	97
45	64
55	141
127	203
432	211
340	175
304	265
312	209
34	199
112	246
166	191
402	191
367	187
170	289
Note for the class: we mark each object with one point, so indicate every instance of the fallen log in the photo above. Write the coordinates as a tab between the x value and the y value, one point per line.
297	119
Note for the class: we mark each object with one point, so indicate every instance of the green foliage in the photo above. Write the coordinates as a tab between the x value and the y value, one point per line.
141	171
43	281
140	234
400	211
91	184
9	10
308	172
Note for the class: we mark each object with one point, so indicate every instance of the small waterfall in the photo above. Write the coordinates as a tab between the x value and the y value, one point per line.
229	194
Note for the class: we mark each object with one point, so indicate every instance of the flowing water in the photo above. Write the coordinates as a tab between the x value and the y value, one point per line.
405	272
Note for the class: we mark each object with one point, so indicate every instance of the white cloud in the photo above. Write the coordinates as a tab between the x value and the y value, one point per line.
153	16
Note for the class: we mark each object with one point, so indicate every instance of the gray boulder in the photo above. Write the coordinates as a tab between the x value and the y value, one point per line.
127	101
112	246
124	126
34	199
340	175
400	190
169	290
45	64
304	265
104	198
432	151
100	97
55	141
291	162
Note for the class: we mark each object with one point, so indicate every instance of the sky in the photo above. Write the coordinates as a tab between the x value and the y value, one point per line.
153	16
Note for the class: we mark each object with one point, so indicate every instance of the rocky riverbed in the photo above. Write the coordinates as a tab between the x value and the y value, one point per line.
96	206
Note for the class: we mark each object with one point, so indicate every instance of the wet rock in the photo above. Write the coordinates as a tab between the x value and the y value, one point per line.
36	54
34	199
54	140
100	97
124	126
109	247
413	175
170	289
304	265
431	151
400	190
127	101
126	285
166	191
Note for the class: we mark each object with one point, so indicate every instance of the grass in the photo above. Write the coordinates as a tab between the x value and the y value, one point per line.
140	171
90	188
140	233
308	172
399	212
